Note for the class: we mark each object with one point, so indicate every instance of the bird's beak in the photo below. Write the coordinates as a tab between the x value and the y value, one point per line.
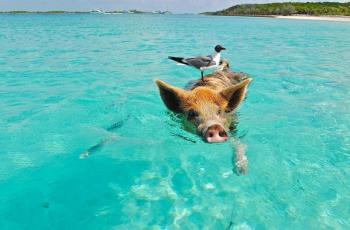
223	48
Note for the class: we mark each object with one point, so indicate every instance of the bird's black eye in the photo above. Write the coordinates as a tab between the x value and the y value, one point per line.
218	112
191	114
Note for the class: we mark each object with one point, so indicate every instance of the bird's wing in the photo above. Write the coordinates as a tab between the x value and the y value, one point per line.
201	61
212	62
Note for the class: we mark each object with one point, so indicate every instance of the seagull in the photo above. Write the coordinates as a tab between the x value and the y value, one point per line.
202	62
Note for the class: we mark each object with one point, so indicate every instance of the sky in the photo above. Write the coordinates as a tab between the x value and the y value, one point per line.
176	6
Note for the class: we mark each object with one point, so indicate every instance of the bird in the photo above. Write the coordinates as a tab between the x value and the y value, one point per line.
202	62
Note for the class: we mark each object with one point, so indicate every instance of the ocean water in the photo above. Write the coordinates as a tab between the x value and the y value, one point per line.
72	83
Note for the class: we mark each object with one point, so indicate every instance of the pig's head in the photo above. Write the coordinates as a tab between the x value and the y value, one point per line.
209	110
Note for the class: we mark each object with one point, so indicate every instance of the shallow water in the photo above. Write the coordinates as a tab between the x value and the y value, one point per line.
70	82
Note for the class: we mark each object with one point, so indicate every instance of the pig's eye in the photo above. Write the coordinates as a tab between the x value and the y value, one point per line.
192	114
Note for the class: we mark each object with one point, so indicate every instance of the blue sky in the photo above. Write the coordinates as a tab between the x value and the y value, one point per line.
178	6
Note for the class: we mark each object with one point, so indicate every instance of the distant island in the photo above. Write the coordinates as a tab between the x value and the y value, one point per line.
129	12
37	12
85	12
287	9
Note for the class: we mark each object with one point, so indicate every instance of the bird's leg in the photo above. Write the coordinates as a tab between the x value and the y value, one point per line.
202	75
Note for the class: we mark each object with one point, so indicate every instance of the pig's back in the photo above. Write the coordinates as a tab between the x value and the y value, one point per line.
218	80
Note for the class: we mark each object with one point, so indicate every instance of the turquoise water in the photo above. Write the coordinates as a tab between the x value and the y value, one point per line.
70	82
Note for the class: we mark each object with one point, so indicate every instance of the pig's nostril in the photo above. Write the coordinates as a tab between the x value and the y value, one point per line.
222	134
215	133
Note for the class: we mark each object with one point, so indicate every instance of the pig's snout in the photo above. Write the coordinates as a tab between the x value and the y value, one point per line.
215	133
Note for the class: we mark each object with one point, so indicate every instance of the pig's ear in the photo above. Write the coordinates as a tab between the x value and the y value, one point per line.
171	96
235	94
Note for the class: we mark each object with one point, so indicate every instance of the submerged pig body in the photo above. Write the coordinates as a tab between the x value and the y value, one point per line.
208	104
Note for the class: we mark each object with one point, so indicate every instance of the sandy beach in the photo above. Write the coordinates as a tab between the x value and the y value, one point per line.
317	18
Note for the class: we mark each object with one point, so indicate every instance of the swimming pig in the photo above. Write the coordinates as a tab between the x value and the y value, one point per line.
208	104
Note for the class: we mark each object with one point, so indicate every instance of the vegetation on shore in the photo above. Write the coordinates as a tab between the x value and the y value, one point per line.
287	8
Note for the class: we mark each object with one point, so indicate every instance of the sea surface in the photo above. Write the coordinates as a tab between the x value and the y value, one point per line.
72	83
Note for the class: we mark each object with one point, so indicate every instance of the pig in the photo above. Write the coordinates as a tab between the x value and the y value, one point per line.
208	104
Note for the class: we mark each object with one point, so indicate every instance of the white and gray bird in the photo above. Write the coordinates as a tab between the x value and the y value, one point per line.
202	62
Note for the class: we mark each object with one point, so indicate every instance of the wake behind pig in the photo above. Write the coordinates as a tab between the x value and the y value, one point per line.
209	104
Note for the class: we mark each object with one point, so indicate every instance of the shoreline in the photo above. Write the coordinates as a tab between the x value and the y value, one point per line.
315	18
338	18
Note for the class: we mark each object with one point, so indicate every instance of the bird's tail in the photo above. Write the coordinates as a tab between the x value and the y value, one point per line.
178	60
